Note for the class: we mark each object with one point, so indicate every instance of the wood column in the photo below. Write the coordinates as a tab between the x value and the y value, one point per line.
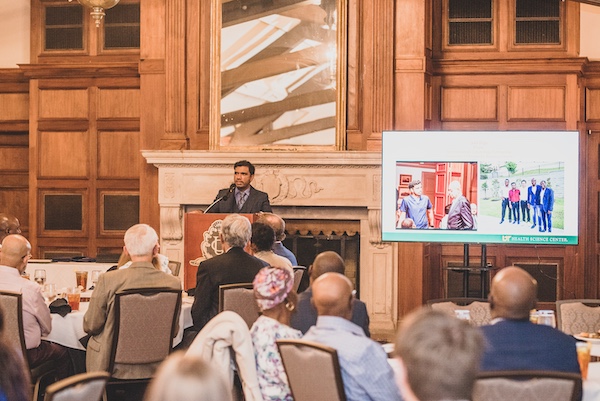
411	51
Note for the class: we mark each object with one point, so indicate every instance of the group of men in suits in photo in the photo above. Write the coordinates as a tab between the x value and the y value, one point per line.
541	201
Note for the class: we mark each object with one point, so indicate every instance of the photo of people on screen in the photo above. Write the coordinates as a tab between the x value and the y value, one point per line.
432	195
525	197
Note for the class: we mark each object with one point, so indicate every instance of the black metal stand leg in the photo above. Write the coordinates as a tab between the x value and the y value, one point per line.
466	272
484	272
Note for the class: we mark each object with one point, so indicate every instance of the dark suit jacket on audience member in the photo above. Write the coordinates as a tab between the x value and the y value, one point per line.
257	201
522	345
234	266
306	315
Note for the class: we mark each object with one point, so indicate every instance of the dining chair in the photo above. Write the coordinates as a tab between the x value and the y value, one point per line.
144	327
85	386
527	385
574	316
239	298
298	274
312	369
14	334
175	267
226	345
479	309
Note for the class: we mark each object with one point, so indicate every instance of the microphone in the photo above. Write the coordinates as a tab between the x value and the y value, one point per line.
231	188
222	198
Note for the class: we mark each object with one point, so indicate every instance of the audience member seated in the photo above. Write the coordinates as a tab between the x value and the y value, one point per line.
277	301
9	224
141	244
234	265
187	378
306	314
278	225
438	357
263	238
512	341
14	378
37	322
366	373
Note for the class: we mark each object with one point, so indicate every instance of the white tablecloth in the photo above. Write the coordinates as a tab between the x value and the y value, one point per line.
69	329
63	273
591	386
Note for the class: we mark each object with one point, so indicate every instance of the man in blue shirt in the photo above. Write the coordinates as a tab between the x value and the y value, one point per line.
366	373
416	206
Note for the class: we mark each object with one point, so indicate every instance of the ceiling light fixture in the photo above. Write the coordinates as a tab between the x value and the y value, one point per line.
98	7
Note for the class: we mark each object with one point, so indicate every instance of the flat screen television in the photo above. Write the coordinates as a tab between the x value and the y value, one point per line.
464	176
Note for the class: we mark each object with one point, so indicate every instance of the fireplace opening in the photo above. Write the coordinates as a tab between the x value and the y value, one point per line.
306	246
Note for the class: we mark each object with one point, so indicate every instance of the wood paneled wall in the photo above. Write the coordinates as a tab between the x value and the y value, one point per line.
14	142
84	147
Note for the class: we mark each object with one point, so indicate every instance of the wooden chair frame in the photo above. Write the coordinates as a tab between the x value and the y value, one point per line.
339	383
533	374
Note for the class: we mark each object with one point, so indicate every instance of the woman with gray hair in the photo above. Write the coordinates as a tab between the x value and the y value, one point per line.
276	299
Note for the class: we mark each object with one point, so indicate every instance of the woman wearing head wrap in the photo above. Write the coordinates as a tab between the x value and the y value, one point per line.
276	300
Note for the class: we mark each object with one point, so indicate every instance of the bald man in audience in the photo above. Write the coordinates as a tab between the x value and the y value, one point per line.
9	224
37	322
366	373
438	356
278	225
306	314
512	341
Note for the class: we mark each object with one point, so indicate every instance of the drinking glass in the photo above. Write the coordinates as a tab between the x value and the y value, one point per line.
546	317
533	316
49	292
81	277
39	276
73	297
95	275
583	357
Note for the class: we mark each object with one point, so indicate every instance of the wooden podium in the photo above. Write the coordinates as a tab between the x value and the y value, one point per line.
201	241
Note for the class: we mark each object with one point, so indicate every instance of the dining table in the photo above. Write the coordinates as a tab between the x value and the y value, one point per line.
63	273
68	330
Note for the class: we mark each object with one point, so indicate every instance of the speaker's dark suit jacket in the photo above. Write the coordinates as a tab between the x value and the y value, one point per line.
257	201
522	345
234	266
306	315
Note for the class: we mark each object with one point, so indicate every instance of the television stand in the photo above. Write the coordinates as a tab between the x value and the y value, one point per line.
466	269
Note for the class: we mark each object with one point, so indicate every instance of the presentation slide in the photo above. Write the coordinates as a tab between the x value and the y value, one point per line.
514	187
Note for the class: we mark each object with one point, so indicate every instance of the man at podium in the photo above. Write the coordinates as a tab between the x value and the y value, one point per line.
241	197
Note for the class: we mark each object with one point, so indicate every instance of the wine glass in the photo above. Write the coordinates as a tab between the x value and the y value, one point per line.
49	292
95	275
39	276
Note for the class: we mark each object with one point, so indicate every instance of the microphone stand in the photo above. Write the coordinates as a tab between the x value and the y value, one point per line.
214	203
224	197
